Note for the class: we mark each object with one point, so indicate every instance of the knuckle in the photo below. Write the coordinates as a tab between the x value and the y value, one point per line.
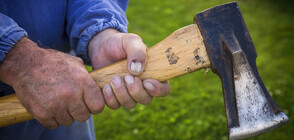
130	105
46	120
80	60
83	117
91	85
114	106
154	93
165	92
67	122
108	99
80	113
79	76
64	119
158	95
66	93
98	108
146	101
43	116
136	89
51	126
112	103
52	105
133	36
134	92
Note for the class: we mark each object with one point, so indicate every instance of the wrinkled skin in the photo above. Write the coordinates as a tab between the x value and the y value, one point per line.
55	87
111	46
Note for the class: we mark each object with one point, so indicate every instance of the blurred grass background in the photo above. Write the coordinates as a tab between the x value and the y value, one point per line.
195	109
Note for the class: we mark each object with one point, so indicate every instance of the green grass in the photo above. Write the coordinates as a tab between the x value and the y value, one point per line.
195	109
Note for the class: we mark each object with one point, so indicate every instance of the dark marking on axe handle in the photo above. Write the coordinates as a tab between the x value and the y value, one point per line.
188	41
172	58
196	51
189	69
197	57
200	62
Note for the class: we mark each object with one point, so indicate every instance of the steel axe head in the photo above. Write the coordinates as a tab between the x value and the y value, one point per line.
249	107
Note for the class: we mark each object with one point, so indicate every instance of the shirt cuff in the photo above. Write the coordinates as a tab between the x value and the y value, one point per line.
90	32
9	38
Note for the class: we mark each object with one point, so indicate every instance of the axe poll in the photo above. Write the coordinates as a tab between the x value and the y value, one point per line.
218	39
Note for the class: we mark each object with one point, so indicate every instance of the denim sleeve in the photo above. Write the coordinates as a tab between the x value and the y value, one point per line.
85	18
10	33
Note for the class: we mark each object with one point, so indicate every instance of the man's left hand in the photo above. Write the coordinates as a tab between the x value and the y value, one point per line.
110	46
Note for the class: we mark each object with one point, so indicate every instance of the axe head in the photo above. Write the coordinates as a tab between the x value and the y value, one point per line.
249	107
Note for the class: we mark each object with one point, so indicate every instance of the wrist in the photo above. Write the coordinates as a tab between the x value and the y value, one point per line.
18	60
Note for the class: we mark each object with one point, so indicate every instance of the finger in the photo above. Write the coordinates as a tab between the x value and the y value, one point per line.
37	111
121	93
93	97
136	53
136	90
44	117
76	101
64	118
110	98
60	113
59	109
155	88
77	108
79	112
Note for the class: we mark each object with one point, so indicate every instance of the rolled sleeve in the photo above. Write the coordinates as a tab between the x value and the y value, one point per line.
87	18
10	33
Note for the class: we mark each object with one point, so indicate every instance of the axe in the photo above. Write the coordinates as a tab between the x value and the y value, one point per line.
218	39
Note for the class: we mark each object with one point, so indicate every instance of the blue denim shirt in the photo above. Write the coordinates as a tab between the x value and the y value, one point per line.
64	25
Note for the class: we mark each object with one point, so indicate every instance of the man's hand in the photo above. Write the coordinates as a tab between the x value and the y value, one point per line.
110	46
54	87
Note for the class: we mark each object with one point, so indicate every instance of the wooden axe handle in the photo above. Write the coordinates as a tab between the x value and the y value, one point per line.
180	53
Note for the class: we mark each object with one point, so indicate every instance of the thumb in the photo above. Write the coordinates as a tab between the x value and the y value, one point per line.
136	53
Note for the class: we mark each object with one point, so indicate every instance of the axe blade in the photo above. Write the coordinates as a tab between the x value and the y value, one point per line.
254	110
249	107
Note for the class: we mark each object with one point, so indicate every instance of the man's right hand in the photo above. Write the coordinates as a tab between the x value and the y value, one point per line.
54	87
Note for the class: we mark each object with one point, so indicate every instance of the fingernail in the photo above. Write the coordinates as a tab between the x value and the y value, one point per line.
148	86
107	90
136	67
129	79
116	81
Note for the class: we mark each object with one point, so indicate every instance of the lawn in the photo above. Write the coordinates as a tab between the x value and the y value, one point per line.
194	108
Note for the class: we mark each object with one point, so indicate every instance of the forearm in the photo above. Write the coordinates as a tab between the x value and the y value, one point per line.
10	34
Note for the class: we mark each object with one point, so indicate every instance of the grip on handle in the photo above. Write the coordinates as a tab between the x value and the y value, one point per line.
180	53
